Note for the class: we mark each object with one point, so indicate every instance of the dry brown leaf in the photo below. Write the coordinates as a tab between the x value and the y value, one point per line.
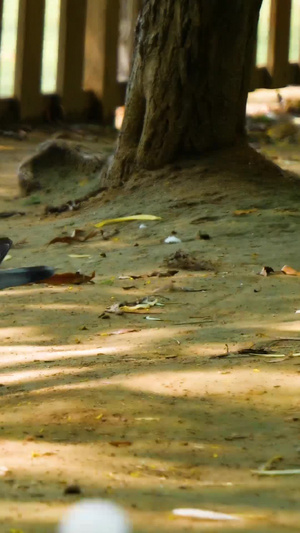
77	236
69	278
290	271
64	240
266	271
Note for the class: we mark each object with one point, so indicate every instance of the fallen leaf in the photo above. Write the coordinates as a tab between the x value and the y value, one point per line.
78	235
290	271
266	271
125	219
67	278
241	212
65	240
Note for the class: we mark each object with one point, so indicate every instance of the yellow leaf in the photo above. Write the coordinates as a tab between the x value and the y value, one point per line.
35	454
3	147
126	219
99	416
241	212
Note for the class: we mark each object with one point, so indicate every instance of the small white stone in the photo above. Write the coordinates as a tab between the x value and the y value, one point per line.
172	239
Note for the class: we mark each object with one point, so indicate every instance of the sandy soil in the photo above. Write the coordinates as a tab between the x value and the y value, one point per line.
151	418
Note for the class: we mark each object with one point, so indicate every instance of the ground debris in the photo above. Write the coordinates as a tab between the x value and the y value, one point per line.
77	235
186	261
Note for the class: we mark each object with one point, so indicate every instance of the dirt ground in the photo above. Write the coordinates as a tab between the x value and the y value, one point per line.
142	411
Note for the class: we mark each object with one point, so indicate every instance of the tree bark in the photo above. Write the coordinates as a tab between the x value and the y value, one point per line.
188	86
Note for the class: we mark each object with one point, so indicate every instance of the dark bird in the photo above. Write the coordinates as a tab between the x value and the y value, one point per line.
13	277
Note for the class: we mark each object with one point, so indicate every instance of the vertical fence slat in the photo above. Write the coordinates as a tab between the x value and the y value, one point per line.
101	53
279	39
1	14
71	55
29	58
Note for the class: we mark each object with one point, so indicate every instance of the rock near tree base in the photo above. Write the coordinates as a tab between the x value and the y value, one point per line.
55	161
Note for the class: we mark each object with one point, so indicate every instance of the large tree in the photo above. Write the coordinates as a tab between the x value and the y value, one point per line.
188	86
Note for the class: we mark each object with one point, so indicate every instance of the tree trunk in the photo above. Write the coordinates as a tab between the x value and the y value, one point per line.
189	81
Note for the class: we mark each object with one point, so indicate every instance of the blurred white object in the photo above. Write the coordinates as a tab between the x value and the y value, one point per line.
142	226
119	115
172	239
203	514
95	516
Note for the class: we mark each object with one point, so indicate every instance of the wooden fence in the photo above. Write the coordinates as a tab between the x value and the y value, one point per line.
87	85
278	71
